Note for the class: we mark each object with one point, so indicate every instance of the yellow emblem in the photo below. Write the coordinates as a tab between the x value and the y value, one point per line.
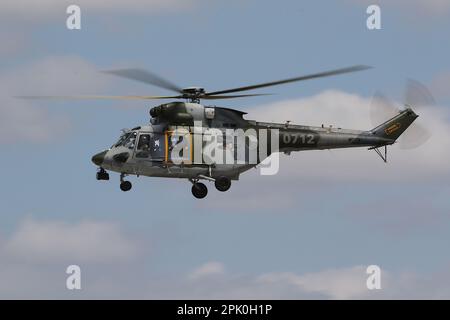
391	129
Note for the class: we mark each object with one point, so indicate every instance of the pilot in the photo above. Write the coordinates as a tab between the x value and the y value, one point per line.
131	141
144	143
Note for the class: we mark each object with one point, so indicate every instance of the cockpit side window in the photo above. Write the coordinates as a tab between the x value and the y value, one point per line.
127	140
144	142
121	139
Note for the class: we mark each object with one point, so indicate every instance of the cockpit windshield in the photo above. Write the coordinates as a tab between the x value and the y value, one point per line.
127	139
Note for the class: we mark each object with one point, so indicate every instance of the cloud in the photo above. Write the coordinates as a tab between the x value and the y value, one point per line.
28	120
334	283
343	283
394	198
430	8
441	84
346	283
13	41
56	9
351	111
212	268
55	241
34	258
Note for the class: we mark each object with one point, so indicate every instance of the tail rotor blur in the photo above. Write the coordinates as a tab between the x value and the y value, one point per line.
417	97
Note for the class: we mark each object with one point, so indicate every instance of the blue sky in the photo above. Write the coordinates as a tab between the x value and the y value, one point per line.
307	232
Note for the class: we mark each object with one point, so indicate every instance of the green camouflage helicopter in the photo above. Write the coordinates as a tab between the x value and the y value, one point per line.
189	140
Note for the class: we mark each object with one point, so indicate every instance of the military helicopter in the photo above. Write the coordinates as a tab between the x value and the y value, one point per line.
147	150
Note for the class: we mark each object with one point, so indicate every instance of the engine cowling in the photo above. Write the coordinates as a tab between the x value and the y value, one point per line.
174	112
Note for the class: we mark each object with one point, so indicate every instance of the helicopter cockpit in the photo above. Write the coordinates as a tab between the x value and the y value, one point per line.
146	144
127	139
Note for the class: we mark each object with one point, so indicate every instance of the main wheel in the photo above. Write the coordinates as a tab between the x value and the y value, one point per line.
125	186
222	183
199	190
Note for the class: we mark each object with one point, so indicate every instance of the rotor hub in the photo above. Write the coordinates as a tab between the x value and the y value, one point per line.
193	93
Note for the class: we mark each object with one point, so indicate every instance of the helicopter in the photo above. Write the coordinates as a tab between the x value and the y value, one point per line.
172	144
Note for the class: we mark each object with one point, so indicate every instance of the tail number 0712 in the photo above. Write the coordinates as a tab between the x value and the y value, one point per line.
298	138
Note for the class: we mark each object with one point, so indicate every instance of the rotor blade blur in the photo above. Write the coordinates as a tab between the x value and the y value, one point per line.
381	109
301	78
417	95
415	136
217	97
97	97
146	77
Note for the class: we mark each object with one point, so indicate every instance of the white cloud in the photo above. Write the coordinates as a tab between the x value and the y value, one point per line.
27	120
212	268
56	75
346	283
55	241
335	283
56	9
351	111
34	258
13	41
440	85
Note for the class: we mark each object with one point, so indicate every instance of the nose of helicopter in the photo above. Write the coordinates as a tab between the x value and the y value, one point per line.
98	158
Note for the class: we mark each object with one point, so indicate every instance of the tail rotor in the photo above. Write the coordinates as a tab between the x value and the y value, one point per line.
417	96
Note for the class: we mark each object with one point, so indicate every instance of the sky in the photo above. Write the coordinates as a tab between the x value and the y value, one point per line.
308	232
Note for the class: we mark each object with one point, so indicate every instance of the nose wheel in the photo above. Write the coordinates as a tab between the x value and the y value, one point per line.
124	185
102	174
199	190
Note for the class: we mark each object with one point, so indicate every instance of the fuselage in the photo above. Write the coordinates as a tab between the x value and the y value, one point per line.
169	146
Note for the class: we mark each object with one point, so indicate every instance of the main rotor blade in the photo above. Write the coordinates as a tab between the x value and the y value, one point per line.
97	97
306	77
217	97
146	77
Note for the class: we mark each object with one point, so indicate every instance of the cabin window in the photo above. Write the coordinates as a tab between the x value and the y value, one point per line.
157	144
179	146
151	146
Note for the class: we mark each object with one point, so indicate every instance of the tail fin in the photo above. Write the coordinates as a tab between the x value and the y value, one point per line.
394	127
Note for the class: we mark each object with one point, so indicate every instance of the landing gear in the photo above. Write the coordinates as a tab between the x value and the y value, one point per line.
124	185
222	183
102	174
199	190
